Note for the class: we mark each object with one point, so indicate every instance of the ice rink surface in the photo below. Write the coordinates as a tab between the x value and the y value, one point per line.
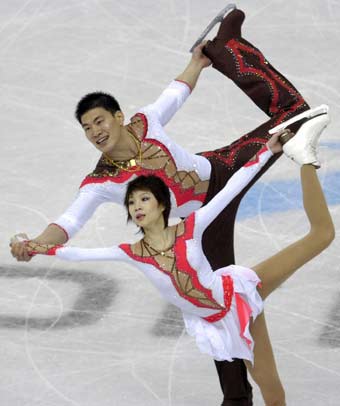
97	333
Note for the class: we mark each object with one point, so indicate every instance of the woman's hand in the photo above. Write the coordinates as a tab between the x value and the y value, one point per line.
35	248
24	249
275	144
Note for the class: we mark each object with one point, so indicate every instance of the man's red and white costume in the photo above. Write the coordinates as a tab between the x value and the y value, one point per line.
187	175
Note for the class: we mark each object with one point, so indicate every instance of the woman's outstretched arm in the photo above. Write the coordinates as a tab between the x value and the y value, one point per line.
113	253
240	179
278	268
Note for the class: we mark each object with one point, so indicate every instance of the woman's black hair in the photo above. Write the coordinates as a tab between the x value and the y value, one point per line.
157	187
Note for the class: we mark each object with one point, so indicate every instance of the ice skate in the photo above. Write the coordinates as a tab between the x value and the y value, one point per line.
302	148
218	19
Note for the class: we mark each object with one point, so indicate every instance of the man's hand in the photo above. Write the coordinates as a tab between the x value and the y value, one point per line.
19	249
52	235
193	70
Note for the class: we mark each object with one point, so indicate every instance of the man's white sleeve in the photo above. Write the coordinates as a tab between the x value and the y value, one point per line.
80	211
170	101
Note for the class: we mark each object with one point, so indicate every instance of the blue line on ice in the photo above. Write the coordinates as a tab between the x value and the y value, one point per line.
282	196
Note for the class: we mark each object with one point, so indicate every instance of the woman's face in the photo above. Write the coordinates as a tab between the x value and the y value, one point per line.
144	208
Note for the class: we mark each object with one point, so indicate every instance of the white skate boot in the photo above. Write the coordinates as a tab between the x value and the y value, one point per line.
302	148
218	19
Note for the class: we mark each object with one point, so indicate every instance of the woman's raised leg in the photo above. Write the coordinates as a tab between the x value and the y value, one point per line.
275	270
302	149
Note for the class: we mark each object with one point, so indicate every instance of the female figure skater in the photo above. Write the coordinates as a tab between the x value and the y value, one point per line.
218	306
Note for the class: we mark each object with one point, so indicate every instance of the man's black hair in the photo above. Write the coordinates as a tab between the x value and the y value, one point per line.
96	99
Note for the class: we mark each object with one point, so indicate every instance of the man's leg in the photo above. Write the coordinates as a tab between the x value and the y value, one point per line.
218	246
237	59
234	383
246	66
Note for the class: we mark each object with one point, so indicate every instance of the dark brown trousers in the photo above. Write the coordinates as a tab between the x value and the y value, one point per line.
245	65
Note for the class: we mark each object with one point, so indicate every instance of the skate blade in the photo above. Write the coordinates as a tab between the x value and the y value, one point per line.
216	20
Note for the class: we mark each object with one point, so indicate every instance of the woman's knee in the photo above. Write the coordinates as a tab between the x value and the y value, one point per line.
322	236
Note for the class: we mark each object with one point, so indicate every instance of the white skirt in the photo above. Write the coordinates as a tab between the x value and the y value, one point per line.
230	337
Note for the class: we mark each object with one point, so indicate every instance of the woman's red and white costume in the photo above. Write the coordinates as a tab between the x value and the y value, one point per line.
217	306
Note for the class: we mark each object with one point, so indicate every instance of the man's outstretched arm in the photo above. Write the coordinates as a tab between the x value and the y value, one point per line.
173	97
52	234
66	226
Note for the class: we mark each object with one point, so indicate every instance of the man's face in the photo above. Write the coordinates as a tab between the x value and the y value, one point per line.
102	128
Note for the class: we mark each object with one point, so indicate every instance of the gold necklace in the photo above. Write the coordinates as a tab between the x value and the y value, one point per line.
162	252
128	164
